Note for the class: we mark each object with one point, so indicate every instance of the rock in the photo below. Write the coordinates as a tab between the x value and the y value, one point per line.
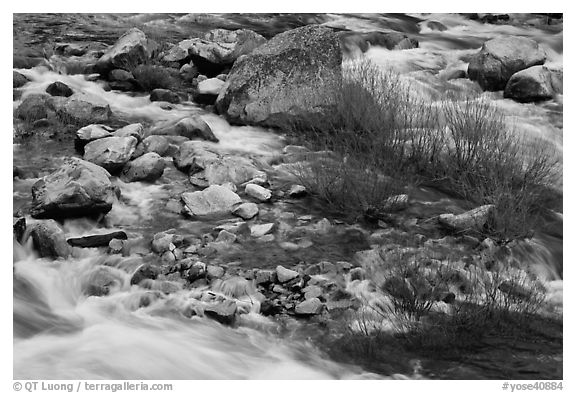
195	127
116	246
258	192
146	271
264	277
229	169
226	237
352	41
309	307
49	240
436	26
100	240
530	85
78	188
297	191
88	134
292	75
136	130
246	210
156	144
131	49
100	281
396	203
215	200
59	89
119	75
500	58
18	228
214	272
470	220
162	242
284	274
84	108
224	312
164	95
261	229
110	153
192	157
312	291
357	273
18	80
34	107
211	86
178	52
148	167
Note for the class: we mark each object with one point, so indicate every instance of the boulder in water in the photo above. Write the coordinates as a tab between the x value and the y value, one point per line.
294	74
18	80
110	153
18	228
473	219
246	210
229	169
84	108
532	84
79	188
148	167
502	57
284	275
224	312
49	240
214	200
258	192
192	157
146	271
309	307
131	49
90	133
156	144
35	107
164	95
59	89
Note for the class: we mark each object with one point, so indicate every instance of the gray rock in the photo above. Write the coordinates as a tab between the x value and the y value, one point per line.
211	86
59	89
226	237
215	200
84	108
229	169
297	191
120	75
224	312
192	157
471	220
156	144
221	46
214	272
292	75
529	85
100	282
396	203
258	192
310	307
90	133
265	277
502	57
284	274
148	167
164	95
78	188
18	80
18	228
136	130
131	49
146	271
49	240
246	210
35	107
110	153
312	291
260	230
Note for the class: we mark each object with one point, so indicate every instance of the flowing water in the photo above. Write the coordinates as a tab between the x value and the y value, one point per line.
138	333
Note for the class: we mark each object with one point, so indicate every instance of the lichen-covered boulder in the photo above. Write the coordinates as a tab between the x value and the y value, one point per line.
292	75
502	57
78	188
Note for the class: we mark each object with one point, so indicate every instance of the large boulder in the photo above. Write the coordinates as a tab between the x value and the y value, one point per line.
49	240
294	74
35	107
230	169
78	188
192	157
156	144
110	153
193	127
84	108
59	89
18	80
473	219
164	95
213	201
500	58
148	167
90	133
532	84
131	49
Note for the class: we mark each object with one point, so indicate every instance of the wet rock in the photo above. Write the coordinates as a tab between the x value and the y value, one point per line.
18	80
291	76
156	144
215	200
229	169
149	168
116	246
224	312
269	308
110	153
192	157
284	275
34	107
193	127
312	291
436	26
502	57
18	228
265	277
88	134
119	75
258	192
213	272
297	191
260	230
530	85
84	108
226	237
100	282
136	130
246	210
77	188
59	89
309	307
164	95
49	240
131	49
352	41
471	220
99	240
146	271
211	86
